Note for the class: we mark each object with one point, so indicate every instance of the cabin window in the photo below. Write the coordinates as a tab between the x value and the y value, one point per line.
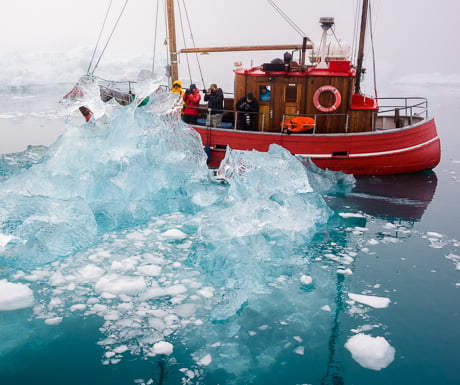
264	93
291	93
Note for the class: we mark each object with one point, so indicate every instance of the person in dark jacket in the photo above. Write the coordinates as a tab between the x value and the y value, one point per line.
192	99
215	98
247	107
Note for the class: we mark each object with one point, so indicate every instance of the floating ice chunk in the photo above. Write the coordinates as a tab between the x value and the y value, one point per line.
300	350
78	306
326	308
149	270
205	361
15	296
174	234
90	273
370	352
306	279
117	284
206	292
161	292
162	347
389	225
120	349
345	271
434	235
53	321
185	310
370	300
351	215
454	258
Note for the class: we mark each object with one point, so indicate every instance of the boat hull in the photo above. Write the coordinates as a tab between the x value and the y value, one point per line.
395	151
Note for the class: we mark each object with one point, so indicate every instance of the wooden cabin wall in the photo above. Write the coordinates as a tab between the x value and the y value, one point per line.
361	121
240	87
295	94
329	122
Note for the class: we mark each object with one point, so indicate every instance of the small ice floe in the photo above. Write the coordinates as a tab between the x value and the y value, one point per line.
174	235
344	271
306	280
456	259
118	284
206	292
326	308
370	300
300	350
437	241
90	273
390	226
15	296
351	215
162	347
53	321
370	352
205	361
150	270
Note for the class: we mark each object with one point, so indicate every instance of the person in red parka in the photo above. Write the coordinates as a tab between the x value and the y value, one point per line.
192	99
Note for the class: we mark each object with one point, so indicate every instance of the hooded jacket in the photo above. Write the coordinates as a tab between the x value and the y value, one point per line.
178	90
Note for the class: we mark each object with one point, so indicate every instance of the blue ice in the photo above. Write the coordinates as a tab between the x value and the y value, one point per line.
121	218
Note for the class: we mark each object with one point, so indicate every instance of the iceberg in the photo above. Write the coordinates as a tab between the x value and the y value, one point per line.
120	219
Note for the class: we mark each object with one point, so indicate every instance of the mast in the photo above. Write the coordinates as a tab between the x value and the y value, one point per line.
359	64
172	39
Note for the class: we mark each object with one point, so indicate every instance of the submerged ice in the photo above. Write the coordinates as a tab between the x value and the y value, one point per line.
121	219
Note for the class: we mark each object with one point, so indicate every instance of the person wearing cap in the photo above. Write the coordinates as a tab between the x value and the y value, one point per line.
192	99
247	107
215	98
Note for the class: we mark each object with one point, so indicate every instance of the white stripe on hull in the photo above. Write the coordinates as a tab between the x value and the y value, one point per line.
371	154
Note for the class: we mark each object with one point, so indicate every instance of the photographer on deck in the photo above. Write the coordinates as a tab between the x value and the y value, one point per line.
247	107
192	99
215	98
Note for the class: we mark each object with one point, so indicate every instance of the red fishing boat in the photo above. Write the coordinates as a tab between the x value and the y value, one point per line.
348	131
311	103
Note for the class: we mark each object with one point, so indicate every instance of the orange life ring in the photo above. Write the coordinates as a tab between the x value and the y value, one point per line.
334	106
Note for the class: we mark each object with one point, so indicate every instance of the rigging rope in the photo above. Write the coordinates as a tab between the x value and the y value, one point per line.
355	29
288	20
193	43
155	38
372	48
185	44
166	42
99	37
110	36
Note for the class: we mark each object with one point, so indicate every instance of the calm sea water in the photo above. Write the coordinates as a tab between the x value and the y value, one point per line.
405	239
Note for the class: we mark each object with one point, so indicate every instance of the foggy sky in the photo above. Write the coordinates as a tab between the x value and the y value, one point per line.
410	35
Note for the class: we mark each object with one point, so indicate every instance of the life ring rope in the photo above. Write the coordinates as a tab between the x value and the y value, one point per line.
334	106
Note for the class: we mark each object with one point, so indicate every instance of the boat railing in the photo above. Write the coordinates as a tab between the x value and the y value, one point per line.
407	107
